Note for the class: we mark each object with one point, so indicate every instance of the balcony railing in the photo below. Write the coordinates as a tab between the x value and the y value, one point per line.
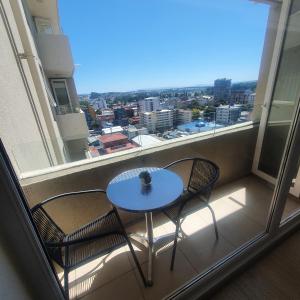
67	109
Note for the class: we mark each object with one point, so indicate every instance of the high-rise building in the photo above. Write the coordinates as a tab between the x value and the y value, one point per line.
226	114
149	104
222	90
159	120
42	124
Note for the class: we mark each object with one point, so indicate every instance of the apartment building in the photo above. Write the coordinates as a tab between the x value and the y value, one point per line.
158	120
222	89
205	100
99	103
226	114
121	118
182	116
133	131
41	124
240	96
251	99
107	116
149	104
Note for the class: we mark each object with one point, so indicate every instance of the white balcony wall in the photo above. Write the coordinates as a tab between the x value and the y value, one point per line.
72	126
55	54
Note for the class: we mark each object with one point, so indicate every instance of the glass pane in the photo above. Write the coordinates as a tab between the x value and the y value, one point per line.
43	26
292	204
61	92
285	97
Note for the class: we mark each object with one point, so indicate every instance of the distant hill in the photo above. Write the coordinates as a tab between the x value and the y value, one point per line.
247	85
251	85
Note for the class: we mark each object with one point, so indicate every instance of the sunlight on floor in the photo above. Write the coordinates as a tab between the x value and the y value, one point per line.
238	210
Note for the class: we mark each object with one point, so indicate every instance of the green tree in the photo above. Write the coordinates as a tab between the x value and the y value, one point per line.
84	103
195	113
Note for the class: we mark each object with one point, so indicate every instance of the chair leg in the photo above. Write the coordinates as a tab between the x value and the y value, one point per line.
214	220
180	228
66	280
136	262
175	245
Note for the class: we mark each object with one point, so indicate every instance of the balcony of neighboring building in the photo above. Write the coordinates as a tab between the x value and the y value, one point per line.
71	122
70	118
55	54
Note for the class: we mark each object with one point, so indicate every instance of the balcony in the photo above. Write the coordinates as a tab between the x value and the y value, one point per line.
240	201
55	54
71	122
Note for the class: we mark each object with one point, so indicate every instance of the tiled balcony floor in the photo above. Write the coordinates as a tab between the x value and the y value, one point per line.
241	209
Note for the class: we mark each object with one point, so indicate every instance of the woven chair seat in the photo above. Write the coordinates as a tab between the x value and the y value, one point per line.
98	237
84	251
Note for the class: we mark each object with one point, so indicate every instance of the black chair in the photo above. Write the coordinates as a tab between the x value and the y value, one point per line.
203	176
100	236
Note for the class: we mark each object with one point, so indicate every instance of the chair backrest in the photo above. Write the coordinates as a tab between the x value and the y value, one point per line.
49	232
47	228
204	174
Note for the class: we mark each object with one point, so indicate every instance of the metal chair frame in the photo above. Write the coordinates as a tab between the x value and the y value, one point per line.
202	194
65	243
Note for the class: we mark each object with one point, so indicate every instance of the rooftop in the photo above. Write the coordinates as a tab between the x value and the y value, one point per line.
146	140
113	129
112	137
157	111
122	147
151	98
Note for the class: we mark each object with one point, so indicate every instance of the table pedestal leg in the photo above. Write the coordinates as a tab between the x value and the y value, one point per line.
149	228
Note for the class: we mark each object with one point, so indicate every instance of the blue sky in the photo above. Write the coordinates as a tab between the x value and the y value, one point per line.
122	45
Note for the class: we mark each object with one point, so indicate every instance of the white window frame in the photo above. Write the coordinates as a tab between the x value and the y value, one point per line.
43	23
52	80
266	107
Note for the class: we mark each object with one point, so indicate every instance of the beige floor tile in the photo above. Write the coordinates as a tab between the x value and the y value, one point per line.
162	227
124	287
250	196
164	280
100	271
72	279
202	249
238	229
241	210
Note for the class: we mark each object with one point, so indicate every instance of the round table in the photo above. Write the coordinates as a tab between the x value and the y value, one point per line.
127	193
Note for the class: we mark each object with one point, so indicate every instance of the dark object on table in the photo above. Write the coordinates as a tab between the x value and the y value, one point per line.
145	178
100	236
146	189
203	176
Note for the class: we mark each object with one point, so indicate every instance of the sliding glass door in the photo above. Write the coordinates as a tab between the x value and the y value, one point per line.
280	107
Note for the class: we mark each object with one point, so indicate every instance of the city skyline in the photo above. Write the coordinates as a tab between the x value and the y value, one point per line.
209	85
178	46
